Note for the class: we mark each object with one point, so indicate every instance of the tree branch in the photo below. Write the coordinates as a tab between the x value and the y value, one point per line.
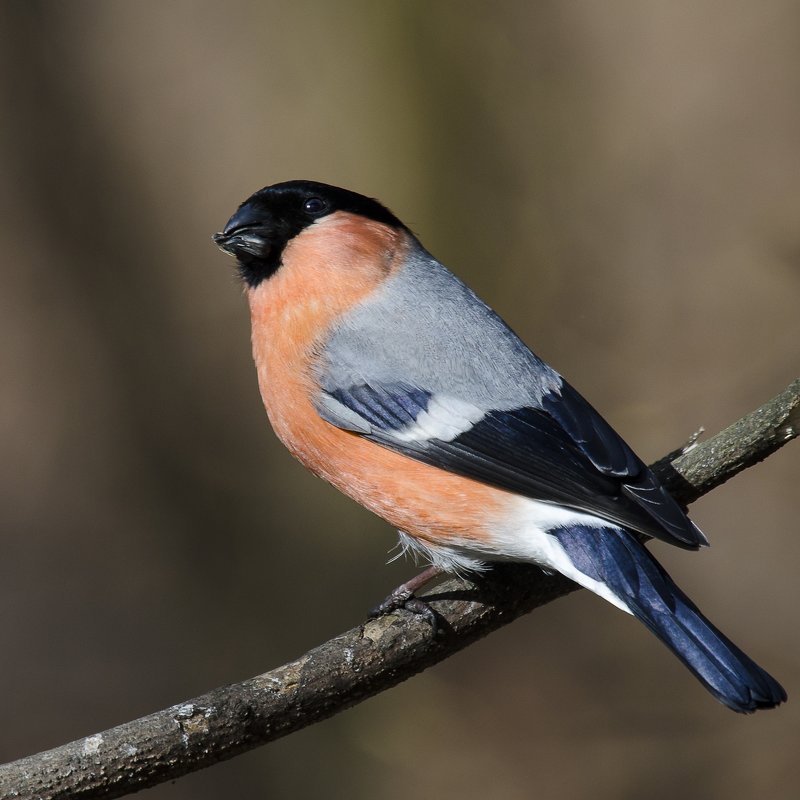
361	662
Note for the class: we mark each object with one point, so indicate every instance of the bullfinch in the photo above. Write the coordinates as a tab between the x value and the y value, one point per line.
388	377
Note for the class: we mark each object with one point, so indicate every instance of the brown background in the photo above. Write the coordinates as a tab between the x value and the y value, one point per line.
621	180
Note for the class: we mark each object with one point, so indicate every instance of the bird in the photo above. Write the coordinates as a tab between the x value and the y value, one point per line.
385	375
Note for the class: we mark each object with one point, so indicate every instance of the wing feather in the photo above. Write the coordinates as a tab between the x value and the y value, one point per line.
563	452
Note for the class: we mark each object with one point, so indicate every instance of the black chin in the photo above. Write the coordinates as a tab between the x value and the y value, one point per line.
253	270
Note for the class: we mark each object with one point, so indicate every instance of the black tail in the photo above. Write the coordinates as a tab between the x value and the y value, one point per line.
617	559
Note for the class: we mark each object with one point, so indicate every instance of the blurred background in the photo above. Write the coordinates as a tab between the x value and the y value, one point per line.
620	180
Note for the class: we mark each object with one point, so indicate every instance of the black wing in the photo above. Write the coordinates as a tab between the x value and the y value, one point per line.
563	452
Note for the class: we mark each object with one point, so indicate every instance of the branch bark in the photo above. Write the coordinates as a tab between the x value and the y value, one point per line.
361	662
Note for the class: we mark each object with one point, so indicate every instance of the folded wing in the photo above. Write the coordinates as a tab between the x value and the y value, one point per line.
560	451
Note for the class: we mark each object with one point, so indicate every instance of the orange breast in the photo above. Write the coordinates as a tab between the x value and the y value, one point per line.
327	269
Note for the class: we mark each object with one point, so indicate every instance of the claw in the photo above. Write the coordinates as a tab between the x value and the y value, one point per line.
417	606
395	601
403	597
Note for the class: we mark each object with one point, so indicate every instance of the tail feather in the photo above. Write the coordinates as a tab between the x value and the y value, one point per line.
617	559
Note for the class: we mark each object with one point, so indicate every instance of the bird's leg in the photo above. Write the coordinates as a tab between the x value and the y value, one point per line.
403	597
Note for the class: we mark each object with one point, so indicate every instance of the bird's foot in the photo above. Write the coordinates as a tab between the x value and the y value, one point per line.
403	597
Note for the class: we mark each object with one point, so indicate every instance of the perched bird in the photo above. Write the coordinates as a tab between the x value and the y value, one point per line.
388	377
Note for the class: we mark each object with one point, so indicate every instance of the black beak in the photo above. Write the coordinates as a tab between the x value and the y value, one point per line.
246	233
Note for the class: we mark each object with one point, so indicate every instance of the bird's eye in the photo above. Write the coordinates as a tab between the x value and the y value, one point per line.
314	206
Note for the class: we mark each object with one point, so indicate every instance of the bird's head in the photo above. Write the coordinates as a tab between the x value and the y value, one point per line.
257	234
